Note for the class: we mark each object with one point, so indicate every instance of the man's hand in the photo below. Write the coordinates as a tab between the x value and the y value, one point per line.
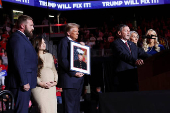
78	74
139	62
26	87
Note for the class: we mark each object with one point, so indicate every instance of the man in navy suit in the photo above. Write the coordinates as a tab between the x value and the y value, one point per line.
70	81
22	64
127	57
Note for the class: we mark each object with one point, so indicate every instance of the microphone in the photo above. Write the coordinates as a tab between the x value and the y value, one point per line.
149	36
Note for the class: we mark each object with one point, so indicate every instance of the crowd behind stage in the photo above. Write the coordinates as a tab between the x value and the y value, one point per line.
100	37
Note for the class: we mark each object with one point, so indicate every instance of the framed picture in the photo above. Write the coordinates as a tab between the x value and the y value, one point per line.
80	58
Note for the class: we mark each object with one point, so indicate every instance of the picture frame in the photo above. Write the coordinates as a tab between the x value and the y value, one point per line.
80	59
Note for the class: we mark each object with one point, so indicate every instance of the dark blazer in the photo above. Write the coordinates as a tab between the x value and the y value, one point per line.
22	62
66	78
125	59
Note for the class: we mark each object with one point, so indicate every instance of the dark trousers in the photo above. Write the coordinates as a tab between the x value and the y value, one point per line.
21	99
126	81
71	100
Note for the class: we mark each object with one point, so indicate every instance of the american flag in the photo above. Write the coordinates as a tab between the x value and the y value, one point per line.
76	53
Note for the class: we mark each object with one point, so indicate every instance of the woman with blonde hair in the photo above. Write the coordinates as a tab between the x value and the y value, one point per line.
151	44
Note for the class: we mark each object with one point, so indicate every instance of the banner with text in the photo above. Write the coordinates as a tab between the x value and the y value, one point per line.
89	4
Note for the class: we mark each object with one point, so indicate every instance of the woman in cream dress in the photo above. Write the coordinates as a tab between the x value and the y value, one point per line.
44	94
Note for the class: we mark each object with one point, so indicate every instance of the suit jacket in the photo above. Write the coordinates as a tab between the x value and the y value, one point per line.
124	59
22	62
66	78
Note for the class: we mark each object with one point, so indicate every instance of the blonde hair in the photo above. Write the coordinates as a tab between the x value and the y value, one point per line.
156	42
69	26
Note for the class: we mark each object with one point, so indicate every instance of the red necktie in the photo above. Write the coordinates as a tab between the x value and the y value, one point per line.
127	46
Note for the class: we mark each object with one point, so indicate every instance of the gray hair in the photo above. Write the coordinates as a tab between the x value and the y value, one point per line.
121	26
134	32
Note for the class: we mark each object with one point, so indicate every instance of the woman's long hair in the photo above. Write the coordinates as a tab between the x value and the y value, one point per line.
37	43
156	42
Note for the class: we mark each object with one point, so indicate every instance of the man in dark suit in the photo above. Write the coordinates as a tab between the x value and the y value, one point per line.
22	64
70	81
127	57
79	63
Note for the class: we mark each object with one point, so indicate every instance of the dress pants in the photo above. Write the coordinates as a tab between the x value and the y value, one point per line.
71	100
21	100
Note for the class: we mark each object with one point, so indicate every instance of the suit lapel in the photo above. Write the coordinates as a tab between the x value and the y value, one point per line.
27	40
67	39
24	37
124	46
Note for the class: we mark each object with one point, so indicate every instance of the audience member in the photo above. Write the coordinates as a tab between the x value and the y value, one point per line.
106	43
58	94
139	31
5	34
100	35
3	43
5	59
92	38
7	27
98	90
45	21
2	68
167	35
90	43
2	52
14	28
111	37
55	62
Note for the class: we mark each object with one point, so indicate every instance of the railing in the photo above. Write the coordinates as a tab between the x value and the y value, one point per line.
9	101
55	31
101	52
52	28
53	48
